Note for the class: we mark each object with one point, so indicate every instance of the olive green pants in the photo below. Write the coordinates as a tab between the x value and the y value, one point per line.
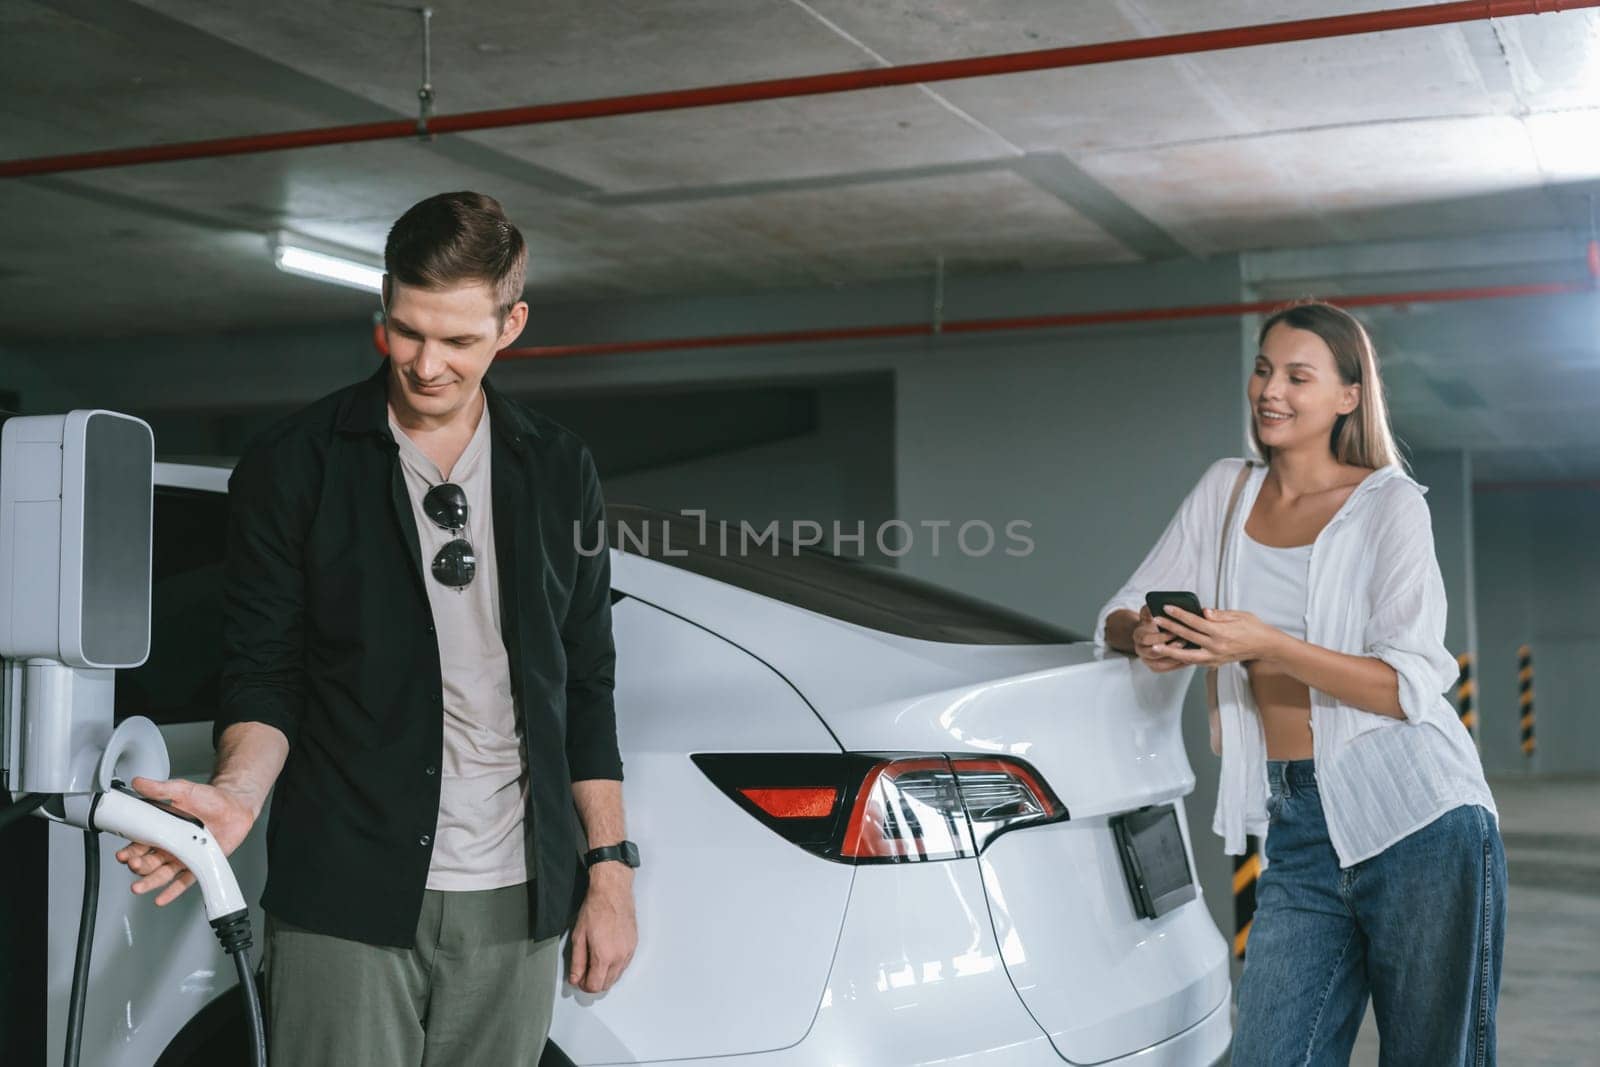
474	990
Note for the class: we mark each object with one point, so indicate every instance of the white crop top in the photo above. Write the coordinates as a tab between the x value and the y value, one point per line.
1273	583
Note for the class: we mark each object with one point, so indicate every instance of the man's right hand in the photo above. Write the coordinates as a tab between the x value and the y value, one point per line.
227	814
1146	635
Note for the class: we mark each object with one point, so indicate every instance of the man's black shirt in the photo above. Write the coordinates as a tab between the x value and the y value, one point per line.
328	636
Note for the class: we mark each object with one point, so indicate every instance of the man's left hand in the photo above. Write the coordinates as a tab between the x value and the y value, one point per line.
606	933
1223	637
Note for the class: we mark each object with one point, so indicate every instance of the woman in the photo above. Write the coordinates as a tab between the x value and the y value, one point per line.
1383	871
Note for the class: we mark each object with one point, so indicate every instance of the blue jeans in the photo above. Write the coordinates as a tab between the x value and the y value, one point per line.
1418	927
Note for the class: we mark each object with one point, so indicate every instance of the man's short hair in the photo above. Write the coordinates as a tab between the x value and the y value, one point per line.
456	238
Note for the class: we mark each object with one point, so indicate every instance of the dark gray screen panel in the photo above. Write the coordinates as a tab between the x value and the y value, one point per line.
116	540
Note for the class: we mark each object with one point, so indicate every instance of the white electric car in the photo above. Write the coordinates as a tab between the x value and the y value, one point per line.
881	825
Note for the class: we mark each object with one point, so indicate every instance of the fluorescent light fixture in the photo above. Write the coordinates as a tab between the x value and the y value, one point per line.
328	268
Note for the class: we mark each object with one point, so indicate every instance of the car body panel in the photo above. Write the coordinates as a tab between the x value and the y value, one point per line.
1099	979
919	981
720	897
1106	737
918	977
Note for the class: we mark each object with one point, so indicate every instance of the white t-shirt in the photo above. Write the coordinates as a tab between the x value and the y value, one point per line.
1373	589
478	843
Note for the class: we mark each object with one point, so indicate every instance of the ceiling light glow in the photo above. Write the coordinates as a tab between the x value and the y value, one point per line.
323	267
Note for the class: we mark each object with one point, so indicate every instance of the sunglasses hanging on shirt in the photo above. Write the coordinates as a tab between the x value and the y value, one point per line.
456	563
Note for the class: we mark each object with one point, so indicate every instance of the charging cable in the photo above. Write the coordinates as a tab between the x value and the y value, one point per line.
80	961
18	809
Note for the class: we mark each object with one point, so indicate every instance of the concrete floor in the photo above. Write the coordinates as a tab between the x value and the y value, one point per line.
1550	983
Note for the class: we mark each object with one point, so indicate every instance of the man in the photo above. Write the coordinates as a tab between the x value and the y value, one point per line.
419	655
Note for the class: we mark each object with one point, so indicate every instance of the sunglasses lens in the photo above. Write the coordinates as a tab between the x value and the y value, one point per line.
455	564
446	505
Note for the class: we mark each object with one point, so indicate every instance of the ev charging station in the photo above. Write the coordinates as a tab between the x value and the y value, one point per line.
76	504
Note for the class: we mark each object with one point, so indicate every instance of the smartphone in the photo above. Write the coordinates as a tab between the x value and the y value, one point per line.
1157	603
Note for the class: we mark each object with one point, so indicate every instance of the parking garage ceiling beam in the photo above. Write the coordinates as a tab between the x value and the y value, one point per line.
812	85
135	23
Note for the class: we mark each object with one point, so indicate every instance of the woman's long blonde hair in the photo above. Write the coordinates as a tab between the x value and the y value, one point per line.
1362	438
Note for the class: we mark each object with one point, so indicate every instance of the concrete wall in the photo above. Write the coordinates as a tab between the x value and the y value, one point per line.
1448	478
1539	580
843	470
28	377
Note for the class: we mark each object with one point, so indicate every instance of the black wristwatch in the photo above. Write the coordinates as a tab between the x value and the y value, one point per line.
626	852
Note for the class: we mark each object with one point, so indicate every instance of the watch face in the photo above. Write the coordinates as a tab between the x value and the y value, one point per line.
630	854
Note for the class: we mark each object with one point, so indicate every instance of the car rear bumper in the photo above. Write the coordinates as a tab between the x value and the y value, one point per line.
1202	1045
918	978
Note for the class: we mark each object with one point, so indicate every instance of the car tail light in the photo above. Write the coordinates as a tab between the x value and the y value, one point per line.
872	808
794	802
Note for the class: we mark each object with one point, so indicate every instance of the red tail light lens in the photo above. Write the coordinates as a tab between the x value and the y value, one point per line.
794	802
868	808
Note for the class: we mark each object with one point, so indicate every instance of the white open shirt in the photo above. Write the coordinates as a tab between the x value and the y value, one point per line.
1374	589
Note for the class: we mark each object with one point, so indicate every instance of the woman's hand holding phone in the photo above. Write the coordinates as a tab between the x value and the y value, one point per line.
1146	636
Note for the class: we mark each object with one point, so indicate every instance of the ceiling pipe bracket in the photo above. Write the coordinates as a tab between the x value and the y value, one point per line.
425	91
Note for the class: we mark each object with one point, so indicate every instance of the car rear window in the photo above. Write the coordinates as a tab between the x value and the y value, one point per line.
180	681
855	591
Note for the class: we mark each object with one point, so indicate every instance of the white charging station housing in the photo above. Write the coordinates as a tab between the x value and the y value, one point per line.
75	512
76	498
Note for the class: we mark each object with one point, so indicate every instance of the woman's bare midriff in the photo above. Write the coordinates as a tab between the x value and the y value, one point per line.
1285	705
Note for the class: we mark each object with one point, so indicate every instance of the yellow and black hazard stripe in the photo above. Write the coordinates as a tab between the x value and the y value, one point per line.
1246	869
1525	697
1464	694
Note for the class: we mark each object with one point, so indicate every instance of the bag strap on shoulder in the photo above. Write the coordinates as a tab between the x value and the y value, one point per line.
1214	712
1227	521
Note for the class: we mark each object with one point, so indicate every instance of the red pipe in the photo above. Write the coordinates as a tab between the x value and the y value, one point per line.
1047	322
811	85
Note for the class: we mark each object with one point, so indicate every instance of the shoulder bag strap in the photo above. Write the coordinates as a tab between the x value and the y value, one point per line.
1222	545
1227	522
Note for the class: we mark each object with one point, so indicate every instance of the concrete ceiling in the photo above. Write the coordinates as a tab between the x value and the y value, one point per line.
1421	134
1337	141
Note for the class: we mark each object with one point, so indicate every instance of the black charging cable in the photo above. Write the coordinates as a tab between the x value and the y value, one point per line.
91	906
80	962
27	804
234	933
